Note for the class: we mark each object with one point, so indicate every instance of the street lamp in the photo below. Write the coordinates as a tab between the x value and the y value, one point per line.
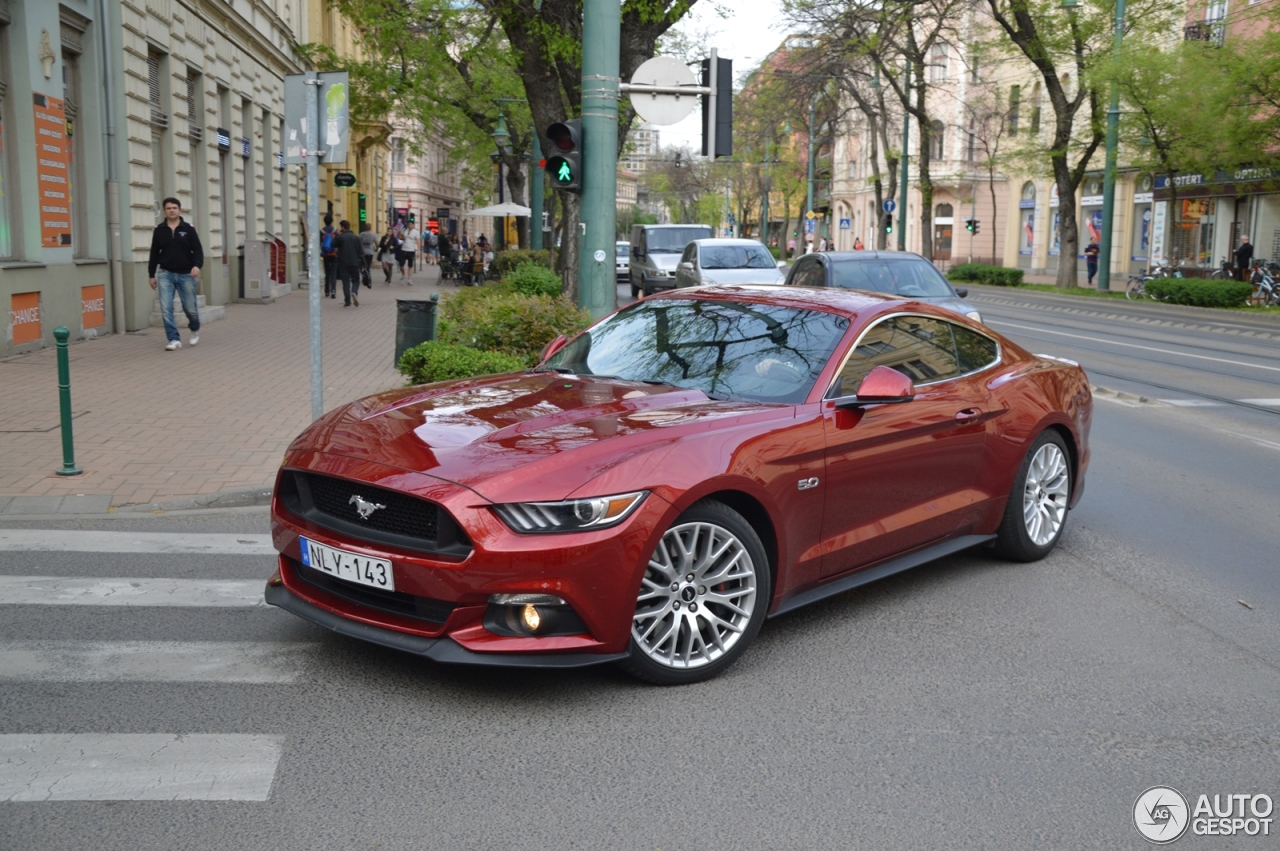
502	138
1109	173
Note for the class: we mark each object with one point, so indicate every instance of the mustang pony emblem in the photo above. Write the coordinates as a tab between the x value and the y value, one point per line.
363	507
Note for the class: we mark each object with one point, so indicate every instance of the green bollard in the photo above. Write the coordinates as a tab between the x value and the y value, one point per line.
69	468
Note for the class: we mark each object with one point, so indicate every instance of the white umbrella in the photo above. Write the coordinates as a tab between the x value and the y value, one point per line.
507	209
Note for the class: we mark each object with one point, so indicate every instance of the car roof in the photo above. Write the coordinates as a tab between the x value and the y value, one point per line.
827	300
855	256
728	240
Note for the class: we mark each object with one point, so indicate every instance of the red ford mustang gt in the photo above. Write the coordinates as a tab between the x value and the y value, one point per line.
662	483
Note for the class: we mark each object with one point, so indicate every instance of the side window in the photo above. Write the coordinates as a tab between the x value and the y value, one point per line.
921	348
690	254
973	350
809	273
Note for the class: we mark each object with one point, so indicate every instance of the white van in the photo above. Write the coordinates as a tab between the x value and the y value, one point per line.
655	251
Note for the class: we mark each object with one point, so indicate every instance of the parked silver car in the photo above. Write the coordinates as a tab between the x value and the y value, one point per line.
727	261
622	254
899	273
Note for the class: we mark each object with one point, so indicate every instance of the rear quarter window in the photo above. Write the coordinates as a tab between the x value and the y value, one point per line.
974	351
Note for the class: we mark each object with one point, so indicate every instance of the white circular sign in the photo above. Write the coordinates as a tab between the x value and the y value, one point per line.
599	255
1161	814
663	109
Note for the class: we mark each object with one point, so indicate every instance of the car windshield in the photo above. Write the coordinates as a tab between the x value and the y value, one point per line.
913	278
737	257
729	350
621	249
672	240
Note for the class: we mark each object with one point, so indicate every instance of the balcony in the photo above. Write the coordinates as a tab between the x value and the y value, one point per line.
1210	31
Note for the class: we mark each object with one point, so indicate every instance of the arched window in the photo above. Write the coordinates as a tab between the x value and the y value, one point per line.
1028	191
943	211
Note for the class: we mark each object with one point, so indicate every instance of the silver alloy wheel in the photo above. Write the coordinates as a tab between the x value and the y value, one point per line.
1044	497
696	597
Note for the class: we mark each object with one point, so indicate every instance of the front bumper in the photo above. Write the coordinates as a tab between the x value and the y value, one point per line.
441	599
437	649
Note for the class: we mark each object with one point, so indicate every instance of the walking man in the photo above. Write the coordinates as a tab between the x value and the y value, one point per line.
175	249
350	262
369	244
1244	258
329	254
1091	252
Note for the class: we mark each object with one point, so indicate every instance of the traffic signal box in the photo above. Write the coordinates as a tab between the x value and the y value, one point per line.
888	224
971	225
565	163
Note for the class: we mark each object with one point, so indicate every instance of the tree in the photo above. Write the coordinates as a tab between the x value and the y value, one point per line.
1058	43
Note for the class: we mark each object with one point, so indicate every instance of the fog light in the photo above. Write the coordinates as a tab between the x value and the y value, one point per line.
530	618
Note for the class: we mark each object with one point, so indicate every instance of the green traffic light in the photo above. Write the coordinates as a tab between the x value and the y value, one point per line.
565	175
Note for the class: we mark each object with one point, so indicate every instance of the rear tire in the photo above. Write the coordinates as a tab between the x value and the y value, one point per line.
702	599
635	291
1134	289
1036	513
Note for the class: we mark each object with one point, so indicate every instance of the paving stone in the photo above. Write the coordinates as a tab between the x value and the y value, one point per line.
34	505
85	504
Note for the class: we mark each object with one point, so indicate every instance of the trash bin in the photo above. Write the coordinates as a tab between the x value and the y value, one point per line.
415	323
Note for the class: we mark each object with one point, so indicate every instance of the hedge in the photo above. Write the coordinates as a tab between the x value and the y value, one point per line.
438	361
509	258
531	279
985	273
1201	292
505	321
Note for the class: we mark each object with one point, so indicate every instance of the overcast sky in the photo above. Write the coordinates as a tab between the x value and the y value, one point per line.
749	34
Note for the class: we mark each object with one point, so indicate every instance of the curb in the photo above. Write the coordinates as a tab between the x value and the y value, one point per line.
100	505
1121	395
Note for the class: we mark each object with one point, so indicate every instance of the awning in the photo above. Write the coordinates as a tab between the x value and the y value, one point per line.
507	209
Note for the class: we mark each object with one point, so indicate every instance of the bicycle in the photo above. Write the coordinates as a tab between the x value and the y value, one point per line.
1137	287
1266	290
1225	272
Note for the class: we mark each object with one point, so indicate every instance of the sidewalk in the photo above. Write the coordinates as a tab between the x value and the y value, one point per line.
200	426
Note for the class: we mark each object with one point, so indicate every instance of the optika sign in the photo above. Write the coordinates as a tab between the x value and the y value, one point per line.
1161	814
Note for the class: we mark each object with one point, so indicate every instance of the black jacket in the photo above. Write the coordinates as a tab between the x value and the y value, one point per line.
350	252
175	249
1243	255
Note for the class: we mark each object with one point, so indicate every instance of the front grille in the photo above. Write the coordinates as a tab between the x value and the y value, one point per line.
402	521
395	602
399	514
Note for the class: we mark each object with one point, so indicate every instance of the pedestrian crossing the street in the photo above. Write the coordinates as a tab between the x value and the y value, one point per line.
126	765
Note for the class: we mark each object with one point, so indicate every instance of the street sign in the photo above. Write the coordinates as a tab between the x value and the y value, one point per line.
442	213
889	205
332	123
811	215
661	107
810	226
845	224
344	178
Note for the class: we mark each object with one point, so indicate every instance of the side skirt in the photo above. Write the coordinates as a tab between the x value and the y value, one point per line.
880	571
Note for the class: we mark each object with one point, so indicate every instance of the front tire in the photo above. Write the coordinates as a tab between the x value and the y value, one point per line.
702	599
1037	510
1134	289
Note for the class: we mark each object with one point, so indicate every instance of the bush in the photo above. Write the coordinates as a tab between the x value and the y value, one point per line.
985	273
532	279
508	322
508	259
438	361
1201	292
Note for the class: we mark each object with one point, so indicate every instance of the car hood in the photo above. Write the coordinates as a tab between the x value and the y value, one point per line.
522	437
664	260
955	303
743	276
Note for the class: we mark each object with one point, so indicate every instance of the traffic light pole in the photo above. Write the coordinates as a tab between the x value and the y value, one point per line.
601	36
536	179
902	166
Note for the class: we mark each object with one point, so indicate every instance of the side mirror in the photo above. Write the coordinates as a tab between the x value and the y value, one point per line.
782	264
882	386
963	292
551	348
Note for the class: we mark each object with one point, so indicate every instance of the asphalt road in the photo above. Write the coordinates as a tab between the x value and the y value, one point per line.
967	704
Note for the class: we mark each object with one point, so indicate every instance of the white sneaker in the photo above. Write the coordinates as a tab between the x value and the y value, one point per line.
195	338
173	346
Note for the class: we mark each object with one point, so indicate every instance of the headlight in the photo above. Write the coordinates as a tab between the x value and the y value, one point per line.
571	515
974	315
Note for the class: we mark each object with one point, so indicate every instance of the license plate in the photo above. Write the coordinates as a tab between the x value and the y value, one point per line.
349	567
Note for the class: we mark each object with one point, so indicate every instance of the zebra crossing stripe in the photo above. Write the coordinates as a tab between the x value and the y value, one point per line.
74	541
137	767
152	661
94	591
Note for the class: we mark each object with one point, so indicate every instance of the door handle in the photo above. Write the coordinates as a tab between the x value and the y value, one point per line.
968	414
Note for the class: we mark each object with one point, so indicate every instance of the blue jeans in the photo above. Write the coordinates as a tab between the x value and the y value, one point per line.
185	285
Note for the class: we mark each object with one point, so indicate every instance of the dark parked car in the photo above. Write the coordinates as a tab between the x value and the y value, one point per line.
898	273
688	466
